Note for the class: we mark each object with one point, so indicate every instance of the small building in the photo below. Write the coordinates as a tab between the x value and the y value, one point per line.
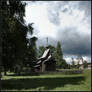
46	62
80	62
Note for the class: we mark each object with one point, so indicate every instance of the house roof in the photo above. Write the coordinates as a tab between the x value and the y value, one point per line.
46	52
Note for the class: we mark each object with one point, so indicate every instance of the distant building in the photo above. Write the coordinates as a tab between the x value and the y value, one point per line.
80	61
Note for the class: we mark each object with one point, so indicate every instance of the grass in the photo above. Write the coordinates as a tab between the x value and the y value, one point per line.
48	82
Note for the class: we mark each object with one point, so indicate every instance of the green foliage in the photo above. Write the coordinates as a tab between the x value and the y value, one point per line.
11	8
31	50
57	55
12	47
31	55
41	50
78	65
61	63
52	48
85	64
13	33
73	63
59	50
14	42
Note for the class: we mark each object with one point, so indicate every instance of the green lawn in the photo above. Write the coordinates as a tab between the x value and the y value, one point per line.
53	82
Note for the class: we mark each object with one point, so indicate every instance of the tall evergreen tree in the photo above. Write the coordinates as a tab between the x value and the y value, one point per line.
73	63
59	50
13	32
61	63
31	53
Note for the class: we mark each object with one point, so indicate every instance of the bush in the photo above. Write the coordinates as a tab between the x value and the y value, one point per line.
65	71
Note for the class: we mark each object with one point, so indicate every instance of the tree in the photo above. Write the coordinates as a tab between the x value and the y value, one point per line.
52	48
59	50
73	63
41	50
85	64
31	53
13	32
64	64
61	63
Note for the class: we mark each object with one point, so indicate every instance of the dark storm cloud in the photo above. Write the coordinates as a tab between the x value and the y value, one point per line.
73	42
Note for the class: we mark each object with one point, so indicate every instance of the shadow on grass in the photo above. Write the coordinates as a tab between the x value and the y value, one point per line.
34	83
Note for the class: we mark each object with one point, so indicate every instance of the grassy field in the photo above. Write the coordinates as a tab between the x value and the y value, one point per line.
48	82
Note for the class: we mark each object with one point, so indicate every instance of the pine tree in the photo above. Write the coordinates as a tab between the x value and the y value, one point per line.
73	63
61	63
13	33
59	50
59	55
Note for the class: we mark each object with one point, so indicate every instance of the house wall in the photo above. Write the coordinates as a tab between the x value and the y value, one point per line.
50	66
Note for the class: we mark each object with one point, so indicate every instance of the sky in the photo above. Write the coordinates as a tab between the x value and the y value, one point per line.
68	22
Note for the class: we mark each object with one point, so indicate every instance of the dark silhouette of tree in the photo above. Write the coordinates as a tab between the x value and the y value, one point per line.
31	53
14	32
59	50
61	63
41	51
73	63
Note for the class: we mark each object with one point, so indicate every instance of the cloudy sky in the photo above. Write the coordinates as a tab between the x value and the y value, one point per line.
66	21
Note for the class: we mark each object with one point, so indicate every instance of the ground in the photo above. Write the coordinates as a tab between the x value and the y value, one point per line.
53	82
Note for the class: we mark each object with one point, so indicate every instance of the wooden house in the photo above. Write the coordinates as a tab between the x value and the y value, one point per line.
46	62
